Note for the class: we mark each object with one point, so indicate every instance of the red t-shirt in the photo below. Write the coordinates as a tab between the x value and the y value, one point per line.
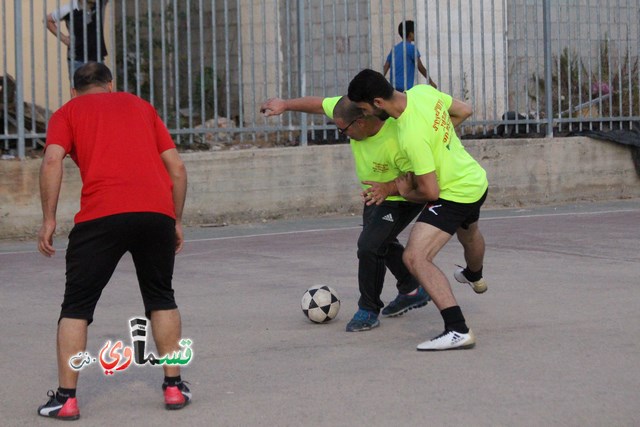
116	140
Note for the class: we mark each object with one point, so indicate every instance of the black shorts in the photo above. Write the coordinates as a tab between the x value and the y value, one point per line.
96	247
448	216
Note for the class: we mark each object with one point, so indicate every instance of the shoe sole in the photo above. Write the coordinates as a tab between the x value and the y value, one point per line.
478	290
175	406
71	418
366	328
462	347
404	310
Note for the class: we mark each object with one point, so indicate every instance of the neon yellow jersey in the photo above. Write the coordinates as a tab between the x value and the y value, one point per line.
428	138
378	157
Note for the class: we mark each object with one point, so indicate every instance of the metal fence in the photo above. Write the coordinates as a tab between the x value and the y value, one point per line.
527	67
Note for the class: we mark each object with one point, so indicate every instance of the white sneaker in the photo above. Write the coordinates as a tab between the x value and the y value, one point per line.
449	340
478	287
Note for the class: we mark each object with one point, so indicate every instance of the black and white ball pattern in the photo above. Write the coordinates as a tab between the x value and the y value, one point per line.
320	303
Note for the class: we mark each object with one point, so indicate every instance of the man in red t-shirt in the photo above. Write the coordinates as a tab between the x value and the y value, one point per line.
133	192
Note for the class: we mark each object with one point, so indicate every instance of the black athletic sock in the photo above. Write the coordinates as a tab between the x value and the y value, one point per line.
473	276
171	381
454	320
64	393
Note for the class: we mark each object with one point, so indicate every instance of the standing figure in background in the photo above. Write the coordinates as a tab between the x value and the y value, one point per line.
85	20
403	58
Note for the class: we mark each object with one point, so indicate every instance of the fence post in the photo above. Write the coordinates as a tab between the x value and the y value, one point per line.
546	11
302	81
17	17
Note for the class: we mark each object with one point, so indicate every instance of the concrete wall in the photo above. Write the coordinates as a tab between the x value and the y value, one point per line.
244	185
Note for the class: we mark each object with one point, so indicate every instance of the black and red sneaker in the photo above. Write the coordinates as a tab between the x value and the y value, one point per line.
176	396
62	411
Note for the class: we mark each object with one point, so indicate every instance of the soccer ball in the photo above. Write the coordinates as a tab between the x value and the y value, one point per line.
320	303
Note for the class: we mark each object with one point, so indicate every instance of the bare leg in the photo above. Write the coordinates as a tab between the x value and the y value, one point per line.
473	243
71	340
166	327
425	241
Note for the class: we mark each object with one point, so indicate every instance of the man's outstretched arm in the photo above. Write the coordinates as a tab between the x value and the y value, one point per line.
307	104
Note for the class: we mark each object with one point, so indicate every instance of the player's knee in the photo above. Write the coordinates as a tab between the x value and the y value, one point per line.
410	259
369	247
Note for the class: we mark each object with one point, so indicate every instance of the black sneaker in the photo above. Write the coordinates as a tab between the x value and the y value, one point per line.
176	396
62	411
404	303
363	320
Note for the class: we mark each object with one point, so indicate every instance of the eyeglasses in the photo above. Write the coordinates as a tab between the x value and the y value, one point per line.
341	131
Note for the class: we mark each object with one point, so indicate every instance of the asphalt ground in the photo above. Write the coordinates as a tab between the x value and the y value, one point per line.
558	330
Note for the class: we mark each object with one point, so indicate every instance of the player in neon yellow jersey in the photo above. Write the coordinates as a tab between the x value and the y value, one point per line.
377	158
448	178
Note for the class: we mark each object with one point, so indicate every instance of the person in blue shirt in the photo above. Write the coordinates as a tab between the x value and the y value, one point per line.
403	58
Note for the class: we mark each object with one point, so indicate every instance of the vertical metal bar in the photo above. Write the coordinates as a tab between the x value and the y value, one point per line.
392	70
505	53
438	44
252	42
85	32
5	95
460	45
637	20
302	78
579	58
599	59
427	42
547	66
136	26
150	25
17	19
99	9
324	67
404	44
46	61
163	61
189	73
609	80
381	27
369	39
176	74
214	64
227	65
569	69
589	60
537	76
357	26
112	37
449	44
484	68
279	63
516	48
472	52
309	19
264	55
620	91
629	65
527	20
240	77
495	77
125	53
559	70
59	58
203	116
33	74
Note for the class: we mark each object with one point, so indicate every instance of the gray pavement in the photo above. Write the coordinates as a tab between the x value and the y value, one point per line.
558	335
